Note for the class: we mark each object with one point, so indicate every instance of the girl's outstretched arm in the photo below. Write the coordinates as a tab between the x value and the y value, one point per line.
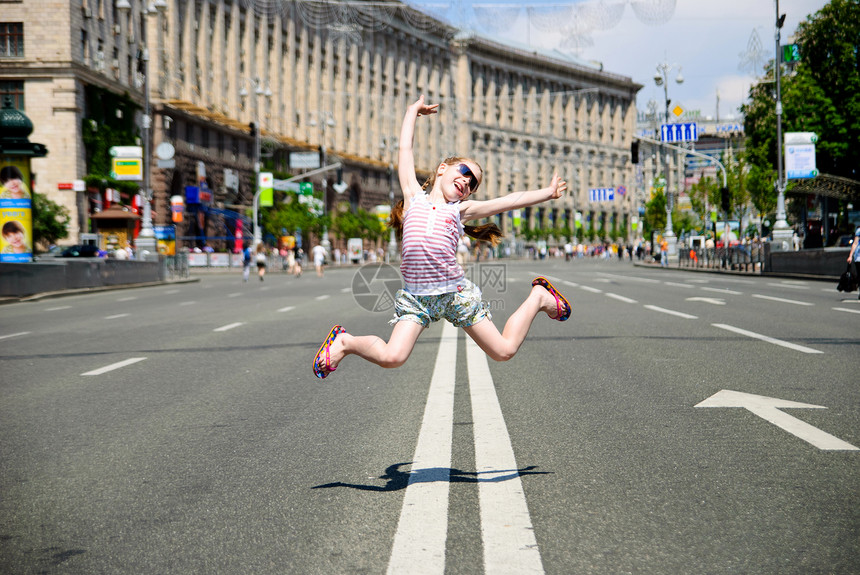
477	209
406	159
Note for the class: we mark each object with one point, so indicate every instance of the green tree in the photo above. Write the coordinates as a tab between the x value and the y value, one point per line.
822	96
360	224
292	215
655	213
50	221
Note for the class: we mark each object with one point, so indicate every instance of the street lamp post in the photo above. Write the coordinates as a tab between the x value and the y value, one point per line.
326	121
781	231
392	145
145	242
258	91
661	78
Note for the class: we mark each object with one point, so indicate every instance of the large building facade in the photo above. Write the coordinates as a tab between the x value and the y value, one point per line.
330	76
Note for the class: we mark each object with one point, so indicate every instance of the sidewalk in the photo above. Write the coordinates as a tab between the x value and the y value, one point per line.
675	266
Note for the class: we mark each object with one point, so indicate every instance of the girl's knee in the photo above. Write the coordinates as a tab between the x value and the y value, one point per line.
394	358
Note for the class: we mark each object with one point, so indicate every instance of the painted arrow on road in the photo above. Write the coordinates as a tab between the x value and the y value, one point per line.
769	408
713	300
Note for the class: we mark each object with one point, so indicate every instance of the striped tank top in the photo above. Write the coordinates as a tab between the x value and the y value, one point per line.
429	249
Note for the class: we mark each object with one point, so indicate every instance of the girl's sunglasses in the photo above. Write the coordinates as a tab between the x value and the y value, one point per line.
473	181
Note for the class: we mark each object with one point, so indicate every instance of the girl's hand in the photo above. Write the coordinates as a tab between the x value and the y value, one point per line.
422	109
557	187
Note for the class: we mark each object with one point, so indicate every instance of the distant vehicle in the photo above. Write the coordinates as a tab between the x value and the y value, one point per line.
53	252
845	241
80	251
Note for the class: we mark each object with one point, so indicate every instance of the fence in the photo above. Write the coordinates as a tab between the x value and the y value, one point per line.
745	258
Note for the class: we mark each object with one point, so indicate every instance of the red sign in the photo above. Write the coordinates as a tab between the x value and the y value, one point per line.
65	186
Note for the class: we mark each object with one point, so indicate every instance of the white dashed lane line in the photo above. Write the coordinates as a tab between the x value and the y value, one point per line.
780	299
768	339
228	326
114	366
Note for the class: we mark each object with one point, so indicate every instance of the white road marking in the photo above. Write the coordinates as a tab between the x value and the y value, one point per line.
722	290
768	339
59	308
789	285
114	366
676	284
419	542
288	308
846	309
346	290
768	408
630	278
228	326
117	316
710	300
671	312
14	334
237	294
127	298
322	297
188	303
781	300
172	291
506	528
621	298
571	284
591	289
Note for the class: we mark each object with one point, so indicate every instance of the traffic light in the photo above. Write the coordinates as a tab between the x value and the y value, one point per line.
634	152
725	200
253	129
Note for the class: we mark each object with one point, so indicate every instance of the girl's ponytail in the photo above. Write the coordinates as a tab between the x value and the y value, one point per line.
485	233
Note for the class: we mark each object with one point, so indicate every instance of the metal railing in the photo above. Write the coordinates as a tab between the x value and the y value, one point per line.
743	258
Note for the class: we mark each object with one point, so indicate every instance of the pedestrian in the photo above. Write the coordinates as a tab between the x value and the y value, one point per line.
854	257
318	253
261	260
664	253
246	263
299	255
430	218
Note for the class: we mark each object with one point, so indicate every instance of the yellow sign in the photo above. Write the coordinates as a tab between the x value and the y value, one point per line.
127	169
678	110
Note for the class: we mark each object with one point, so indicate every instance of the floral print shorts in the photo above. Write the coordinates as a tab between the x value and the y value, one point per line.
462	308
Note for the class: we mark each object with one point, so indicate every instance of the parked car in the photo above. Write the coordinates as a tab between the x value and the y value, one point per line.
845	241
80	251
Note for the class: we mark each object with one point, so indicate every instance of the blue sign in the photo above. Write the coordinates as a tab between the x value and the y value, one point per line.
688	132
601	195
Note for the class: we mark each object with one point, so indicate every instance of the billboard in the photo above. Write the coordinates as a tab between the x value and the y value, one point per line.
16	210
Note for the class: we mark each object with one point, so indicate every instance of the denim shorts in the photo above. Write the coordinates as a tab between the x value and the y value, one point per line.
462	308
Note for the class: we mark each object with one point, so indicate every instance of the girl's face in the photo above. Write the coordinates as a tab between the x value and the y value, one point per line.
16	240
460	180
14	186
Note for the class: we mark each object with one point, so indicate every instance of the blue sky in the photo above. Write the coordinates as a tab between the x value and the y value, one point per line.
707	38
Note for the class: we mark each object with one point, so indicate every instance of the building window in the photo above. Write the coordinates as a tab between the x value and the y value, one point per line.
11	39
15	89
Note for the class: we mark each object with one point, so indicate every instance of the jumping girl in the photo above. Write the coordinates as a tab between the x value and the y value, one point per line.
436	287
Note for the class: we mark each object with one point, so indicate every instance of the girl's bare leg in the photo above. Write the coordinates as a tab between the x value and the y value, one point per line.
503	346
392	353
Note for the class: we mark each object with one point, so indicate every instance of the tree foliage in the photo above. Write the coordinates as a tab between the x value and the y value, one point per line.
821	96
50	220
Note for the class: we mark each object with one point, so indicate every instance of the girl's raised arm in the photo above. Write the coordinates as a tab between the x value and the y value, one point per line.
478	209
406	159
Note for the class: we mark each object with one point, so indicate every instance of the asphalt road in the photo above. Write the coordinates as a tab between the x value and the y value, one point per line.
179	429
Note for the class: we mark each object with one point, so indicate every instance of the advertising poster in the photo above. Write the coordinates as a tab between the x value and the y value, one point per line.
16	211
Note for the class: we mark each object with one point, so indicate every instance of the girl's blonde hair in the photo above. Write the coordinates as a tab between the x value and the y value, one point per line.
486	232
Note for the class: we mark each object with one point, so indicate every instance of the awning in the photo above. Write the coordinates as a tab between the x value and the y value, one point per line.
827	185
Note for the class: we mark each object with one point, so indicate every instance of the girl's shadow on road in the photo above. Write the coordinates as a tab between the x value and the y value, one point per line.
396	479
